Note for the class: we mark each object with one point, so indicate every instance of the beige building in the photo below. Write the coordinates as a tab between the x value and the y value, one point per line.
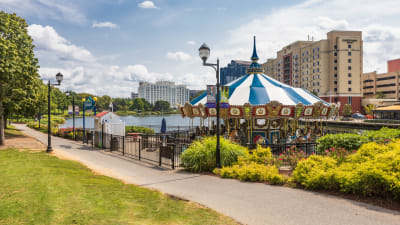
331	68
383	85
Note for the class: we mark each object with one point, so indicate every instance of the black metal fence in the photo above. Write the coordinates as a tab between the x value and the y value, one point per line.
163	149
309	148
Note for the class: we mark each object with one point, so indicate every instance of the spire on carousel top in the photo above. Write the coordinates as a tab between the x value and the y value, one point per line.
254	57
254	66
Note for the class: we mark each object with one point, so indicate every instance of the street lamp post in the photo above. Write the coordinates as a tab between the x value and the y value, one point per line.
73	113
59	78
204	53
83	132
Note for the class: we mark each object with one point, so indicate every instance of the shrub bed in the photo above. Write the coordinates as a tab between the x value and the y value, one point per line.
200	156
374	170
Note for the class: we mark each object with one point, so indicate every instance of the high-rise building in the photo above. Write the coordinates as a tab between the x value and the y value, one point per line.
164	90
331	68
233	70
134	95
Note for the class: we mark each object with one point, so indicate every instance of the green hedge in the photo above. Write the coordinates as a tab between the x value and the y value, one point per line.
138	129
201	155
352	142
374	170
347	141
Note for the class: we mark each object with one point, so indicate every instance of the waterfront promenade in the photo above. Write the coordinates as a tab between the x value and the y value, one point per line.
248	203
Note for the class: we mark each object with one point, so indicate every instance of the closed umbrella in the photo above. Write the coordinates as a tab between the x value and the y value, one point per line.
163	126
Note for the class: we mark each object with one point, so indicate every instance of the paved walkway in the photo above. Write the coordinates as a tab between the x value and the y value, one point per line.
248	203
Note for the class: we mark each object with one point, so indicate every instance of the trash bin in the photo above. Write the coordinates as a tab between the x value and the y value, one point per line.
114	144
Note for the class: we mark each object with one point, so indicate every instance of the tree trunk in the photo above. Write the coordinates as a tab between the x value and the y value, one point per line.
5	122
2	138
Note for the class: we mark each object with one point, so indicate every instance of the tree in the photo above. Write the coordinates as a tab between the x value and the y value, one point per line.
19	78
380	95
369	109
137	104
161	106
347	110
103	103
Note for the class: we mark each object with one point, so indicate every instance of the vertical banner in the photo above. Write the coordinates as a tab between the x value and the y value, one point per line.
77	109
211	96
224	97
70	109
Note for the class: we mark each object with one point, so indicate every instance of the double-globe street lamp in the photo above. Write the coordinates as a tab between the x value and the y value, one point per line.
204	53
59	78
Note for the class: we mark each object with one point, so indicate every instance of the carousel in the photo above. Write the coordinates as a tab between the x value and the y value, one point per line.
256	108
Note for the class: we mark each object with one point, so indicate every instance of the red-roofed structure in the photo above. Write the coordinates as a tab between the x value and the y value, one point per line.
102	114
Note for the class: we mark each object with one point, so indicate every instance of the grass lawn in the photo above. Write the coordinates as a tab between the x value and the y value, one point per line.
38	188
11	131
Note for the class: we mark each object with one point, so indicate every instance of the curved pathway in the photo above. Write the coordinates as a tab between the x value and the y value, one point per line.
248	203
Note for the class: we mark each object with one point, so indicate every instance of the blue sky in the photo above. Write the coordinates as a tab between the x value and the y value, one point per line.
107	46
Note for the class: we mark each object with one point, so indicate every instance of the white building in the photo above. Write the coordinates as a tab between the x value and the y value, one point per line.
164	90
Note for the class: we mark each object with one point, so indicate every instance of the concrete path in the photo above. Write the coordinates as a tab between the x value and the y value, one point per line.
248	203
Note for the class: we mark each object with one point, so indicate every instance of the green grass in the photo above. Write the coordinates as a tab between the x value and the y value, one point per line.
37	188
11	131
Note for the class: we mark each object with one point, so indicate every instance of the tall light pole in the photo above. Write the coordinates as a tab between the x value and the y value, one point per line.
68	93
83	122
59	78
204	53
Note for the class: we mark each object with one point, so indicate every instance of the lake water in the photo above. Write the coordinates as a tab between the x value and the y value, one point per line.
174	122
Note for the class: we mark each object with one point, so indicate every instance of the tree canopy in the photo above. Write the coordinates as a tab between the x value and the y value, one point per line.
19	78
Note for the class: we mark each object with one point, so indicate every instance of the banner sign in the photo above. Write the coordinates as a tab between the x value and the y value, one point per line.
89	103
224	97
77	109
211	96
70	109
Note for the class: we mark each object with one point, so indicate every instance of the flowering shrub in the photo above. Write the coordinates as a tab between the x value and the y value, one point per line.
291	156
339	154
252	172
374	170
200	156
349	142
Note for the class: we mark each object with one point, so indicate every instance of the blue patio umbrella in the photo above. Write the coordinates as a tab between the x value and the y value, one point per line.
163	126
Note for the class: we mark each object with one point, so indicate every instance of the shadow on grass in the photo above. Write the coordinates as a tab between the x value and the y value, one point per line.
11	132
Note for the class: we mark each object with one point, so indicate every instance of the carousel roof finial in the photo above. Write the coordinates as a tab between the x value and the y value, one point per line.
254	57
254	66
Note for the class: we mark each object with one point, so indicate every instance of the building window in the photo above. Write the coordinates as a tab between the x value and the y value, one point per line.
335	61
335	54
318	63
335	75
318	49
313	50
350	100
349	46
335	82
349	60
335	67
349	53
349	82
317	69
335	89
349	89
349	75
349	67
335	47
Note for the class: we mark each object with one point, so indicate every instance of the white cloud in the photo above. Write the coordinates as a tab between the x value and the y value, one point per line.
84	73
378	20
104	25
47	40
147	5
190	42
62	10
179	56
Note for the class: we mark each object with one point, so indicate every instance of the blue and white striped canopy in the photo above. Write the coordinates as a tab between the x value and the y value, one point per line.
257	88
